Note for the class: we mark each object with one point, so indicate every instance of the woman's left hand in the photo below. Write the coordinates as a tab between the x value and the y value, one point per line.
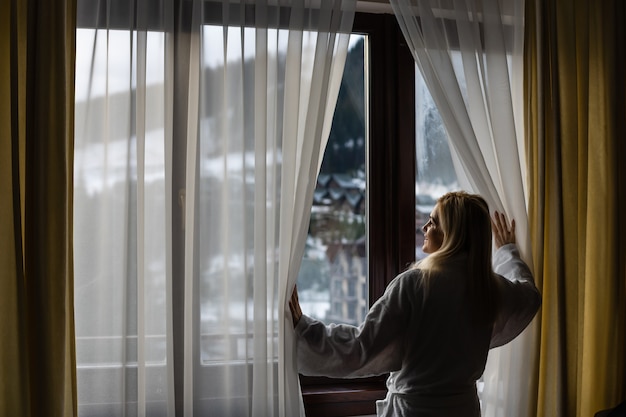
294	306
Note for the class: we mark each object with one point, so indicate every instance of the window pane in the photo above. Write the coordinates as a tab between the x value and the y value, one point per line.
119	252
333	280
435	170
226	181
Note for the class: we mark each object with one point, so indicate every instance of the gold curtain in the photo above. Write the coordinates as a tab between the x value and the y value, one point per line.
37	359
576	128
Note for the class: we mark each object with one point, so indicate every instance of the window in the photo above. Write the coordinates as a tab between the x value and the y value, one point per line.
375	212
103	244
391	221
409	168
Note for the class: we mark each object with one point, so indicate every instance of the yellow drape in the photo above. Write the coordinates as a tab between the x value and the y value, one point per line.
575	124
37	360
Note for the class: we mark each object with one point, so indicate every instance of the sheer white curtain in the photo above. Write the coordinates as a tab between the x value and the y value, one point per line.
122	223
265	112
245	92
470	55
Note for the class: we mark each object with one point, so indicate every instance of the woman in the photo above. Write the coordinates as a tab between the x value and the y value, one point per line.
435	323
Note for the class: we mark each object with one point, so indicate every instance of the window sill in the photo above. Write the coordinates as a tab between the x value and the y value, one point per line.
333	398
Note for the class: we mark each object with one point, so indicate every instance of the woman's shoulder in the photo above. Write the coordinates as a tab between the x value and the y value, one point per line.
409	280
418	278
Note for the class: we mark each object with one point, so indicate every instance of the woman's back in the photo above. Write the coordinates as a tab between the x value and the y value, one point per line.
446	350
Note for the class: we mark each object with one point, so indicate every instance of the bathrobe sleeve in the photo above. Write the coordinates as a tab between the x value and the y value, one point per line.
375	347
519	297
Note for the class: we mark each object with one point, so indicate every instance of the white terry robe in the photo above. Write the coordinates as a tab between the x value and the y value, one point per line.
423	336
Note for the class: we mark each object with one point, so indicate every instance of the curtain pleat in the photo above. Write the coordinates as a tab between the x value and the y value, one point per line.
37	353
13	390
575	125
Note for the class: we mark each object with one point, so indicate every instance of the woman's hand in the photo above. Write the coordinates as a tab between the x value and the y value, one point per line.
294	306
502	233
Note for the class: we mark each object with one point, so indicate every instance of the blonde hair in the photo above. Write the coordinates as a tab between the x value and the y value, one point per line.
465	222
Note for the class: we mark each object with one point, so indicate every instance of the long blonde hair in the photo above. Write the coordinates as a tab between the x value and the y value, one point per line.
465	222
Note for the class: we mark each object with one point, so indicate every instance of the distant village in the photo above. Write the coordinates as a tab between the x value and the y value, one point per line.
338	221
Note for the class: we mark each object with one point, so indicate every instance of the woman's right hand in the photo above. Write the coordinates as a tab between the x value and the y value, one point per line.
502	232
294	306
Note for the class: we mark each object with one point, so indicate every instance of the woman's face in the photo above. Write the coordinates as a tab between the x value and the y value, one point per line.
433	235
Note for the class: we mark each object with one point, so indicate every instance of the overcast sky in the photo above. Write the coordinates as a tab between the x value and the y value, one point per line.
111	71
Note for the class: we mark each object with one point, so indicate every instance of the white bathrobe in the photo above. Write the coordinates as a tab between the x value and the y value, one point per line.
424	338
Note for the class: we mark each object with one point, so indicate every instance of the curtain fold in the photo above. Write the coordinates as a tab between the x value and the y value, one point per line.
37	83
575	120
470	55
